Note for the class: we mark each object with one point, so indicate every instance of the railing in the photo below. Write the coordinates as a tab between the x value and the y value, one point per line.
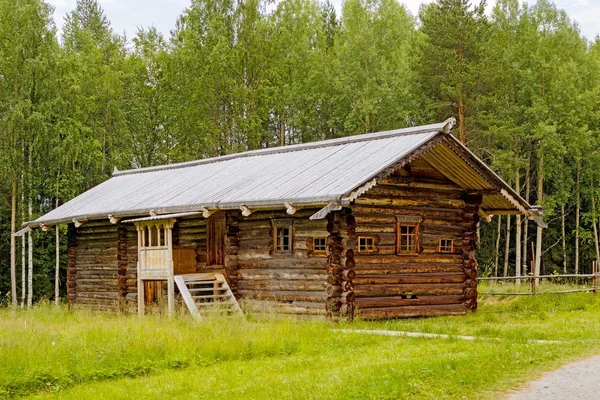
534	281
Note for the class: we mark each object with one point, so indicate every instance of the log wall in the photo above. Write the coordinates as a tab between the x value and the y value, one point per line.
96	267
291	282
426	282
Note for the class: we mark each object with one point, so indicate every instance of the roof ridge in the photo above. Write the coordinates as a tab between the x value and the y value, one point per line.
441	127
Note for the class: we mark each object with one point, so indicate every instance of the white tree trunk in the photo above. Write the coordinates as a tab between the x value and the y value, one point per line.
13	247
507	246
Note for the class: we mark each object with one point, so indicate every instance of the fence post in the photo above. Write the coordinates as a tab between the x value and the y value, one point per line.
595	278
533	278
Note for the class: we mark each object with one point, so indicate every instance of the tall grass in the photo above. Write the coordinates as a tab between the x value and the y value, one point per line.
51	348
55	353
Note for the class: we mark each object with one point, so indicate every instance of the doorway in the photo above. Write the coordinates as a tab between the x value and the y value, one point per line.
215	238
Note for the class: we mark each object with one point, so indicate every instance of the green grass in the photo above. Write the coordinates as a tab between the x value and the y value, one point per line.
49	353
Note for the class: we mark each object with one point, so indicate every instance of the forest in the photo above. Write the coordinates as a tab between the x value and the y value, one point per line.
522	82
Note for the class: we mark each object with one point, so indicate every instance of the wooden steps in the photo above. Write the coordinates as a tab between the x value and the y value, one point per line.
207	294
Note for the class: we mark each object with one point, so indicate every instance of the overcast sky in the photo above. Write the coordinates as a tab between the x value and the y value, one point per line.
128	15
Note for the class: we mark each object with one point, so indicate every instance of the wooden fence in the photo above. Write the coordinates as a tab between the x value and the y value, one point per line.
532	280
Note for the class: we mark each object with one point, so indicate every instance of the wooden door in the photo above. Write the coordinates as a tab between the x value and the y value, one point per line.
153	291
215	238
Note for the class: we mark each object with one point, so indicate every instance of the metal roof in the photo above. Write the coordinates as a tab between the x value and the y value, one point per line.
313	174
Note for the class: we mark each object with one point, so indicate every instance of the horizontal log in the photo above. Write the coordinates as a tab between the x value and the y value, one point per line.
254	233
421	183
285	295
361	258
103	274
97	295
92	287
388	190
265	306
290	274
404	202
439	277
380	290
377	302
97	282
268	215
287	263
411	311
286	285
91	230
437	212
98	267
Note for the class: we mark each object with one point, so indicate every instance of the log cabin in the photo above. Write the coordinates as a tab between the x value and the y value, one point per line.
380	225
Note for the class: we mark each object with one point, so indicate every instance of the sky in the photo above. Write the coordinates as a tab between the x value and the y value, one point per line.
129	15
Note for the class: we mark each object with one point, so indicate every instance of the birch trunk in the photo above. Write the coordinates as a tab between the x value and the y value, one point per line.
57	271
577	214
594	224
507	245
23	238
13	247
538	239
526	222
518	237
564	238
30	248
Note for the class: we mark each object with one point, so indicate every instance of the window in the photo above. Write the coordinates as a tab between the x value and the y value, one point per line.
408	239
319	244
407	234
283	239
282	234
446	246
366	244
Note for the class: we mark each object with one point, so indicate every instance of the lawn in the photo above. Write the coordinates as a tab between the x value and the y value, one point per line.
50	353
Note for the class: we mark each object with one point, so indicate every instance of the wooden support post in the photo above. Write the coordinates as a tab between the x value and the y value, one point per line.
140	282
171	273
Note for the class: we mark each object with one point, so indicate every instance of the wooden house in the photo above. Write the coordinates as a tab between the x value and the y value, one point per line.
381	225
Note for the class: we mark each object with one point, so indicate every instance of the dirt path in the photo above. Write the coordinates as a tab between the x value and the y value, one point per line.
576	381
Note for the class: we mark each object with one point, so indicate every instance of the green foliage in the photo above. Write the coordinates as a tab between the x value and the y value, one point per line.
522	82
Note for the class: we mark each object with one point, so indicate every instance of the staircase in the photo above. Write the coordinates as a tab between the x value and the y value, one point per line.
207	294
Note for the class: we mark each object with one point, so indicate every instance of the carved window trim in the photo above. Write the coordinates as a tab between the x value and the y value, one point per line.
404	223
366	244
446	245
280	226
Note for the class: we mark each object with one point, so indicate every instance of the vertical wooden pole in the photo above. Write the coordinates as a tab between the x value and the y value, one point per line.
171	276
595	278
534	276
140	283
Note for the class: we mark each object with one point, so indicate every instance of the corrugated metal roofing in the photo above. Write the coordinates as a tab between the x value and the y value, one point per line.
312	173
307	174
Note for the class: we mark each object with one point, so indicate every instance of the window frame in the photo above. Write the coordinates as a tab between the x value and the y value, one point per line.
366	237
314	245
451	250
408	221
280	224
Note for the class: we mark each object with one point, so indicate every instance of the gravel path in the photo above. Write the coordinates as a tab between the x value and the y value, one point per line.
576	381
